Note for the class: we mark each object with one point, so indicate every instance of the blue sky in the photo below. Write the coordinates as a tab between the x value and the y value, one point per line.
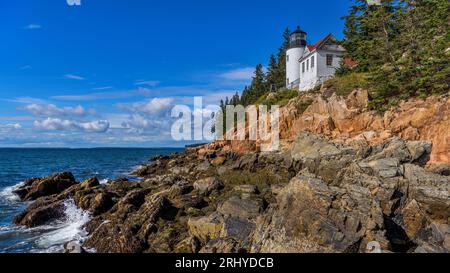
107	73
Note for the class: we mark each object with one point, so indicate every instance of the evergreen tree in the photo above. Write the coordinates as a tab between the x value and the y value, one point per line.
222	105
257	88
286	39
245	97
281	56
272	72
422	44
403	45
370	31
235	99
259	84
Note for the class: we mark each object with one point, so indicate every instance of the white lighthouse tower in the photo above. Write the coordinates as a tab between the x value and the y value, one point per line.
295	51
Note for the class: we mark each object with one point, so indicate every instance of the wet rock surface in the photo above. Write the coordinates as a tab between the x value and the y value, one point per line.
316	195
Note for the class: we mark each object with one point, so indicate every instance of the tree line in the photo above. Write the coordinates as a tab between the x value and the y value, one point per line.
402	45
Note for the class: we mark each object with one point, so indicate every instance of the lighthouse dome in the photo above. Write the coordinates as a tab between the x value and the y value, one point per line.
297	38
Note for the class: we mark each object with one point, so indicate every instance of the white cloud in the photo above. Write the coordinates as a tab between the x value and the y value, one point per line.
137	121
150	115
51	110
55	124
74	77
33	26
15	126
154	106
148	83
239	74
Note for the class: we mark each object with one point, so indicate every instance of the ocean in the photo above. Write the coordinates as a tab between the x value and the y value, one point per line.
16	165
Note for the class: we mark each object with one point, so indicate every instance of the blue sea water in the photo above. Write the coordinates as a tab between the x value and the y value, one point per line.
16	165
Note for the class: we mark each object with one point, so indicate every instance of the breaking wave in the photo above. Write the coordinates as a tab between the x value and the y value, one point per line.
50	237
7	194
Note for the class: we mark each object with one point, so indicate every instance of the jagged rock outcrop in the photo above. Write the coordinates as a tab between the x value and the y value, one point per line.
317	195
349	119
88	195
34	188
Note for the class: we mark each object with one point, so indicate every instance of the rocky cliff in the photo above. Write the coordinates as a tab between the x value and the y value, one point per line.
316	195
346	179
349	119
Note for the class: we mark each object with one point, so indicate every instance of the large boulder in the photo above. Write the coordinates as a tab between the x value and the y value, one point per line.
431	191
53	184
88	195
238	229
244	208
40	213
311	216
126	227
322	157
207	185
206	228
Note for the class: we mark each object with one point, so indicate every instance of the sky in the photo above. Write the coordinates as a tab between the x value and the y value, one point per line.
107	73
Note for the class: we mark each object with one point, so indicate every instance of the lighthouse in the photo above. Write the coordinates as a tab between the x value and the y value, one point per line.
297	45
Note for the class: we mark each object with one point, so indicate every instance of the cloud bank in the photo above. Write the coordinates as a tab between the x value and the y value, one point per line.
55	124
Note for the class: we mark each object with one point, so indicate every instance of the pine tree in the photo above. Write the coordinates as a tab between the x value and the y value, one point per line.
245	97
272	72
235	99
370	31
403	45
259	84
425	62
222	105
281	59
286	39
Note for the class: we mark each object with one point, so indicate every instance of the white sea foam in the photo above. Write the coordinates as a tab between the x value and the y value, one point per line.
68	229
104	181
7	194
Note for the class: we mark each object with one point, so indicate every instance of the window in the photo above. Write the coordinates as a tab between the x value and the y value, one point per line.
312	62
303	67
287	58
307	64
329	59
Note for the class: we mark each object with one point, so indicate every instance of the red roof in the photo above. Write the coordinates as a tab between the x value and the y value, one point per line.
347	60
319	43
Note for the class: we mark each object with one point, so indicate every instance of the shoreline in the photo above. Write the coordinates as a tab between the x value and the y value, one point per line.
20	239
209	199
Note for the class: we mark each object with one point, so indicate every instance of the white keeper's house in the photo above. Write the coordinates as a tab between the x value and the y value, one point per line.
308	66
